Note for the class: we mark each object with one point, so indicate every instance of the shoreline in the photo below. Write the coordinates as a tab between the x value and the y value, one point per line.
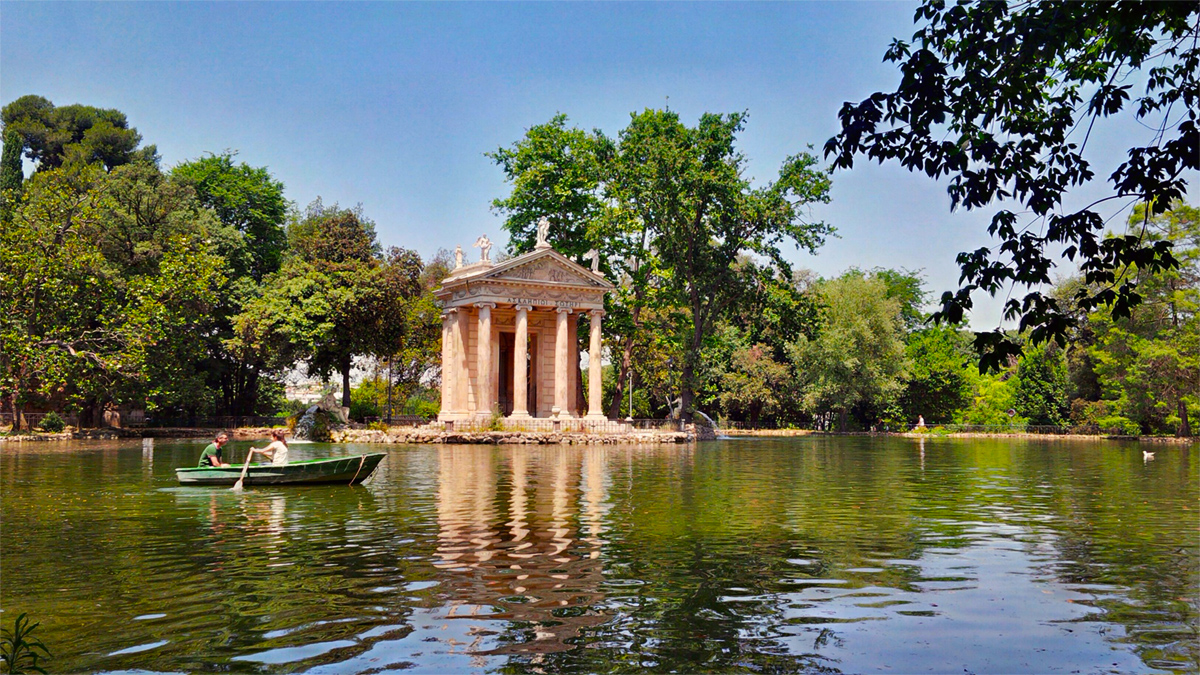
792	433
403	435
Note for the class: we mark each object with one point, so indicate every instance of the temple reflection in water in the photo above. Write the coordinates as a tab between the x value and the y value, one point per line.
520	540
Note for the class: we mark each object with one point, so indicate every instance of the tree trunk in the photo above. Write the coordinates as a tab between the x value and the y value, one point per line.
346	363
685	390
1185	426
614	408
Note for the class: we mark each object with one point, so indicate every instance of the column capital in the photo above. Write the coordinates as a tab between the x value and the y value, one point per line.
564	310
597	313
527	306
489	305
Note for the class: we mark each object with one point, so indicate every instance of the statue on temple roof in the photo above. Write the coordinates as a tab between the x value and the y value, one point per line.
485	249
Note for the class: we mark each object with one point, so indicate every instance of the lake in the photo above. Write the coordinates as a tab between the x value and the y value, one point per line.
815	554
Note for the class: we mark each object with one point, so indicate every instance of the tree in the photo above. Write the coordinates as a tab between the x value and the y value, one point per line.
1041	390
339	296
573	178
54	135
908	287
755	385
939	382
1001	98
247	199
689	185
670	209
106	281
857	358
1148	364
12	175
251	206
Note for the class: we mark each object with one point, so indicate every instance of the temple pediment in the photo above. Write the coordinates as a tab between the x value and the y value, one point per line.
549	269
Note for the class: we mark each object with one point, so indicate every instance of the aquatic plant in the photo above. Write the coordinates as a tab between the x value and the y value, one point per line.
19	650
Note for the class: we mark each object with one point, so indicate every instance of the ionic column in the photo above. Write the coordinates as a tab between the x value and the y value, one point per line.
462	369
521	365
561	364
483	361
448	363
594	373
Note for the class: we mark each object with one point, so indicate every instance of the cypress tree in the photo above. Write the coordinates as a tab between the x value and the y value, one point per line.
11	174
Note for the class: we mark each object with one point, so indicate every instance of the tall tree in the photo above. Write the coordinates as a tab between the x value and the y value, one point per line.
1041	391
1149	362
669	209
53	135
12	175
689	184
939	382
339	296
250	204
106	283
857	358
1001	98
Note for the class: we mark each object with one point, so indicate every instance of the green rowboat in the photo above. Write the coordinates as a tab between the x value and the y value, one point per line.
350	470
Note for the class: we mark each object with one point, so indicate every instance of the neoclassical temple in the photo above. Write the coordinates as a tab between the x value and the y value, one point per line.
509	335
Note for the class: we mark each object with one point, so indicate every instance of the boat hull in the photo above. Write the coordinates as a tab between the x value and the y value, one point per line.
350	470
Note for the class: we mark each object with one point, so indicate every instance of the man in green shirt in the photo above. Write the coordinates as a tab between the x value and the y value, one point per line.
212	454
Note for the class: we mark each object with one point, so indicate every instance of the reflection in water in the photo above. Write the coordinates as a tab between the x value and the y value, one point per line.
794	555
522	559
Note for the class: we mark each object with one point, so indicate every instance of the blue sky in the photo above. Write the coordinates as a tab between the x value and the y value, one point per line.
393	105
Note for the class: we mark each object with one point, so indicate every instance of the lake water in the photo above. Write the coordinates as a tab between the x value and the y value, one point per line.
783	555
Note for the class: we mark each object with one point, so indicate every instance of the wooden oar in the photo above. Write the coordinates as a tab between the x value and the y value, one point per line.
238	485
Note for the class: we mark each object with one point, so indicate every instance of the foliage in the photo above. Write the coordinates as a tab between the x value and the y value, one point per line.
755	385
250	205
858	356
337	298
940	380
105	280
19	650
1041	391
671	212
12	174
367	399
908	288
1001	99
332	237
247	199
52	423
994	395
425	402
1148	364
52	136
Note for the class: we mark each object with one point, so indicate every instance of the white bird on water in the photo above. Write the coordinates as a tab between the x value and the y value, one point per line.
1147	455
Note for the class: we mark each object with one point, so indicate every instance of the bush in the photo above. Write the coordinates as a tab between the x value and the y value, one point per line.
362	408
52	423
378	426
423	407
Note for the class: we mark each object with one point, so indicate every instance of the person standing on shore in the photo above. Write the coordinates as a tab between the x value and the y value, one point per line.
212	454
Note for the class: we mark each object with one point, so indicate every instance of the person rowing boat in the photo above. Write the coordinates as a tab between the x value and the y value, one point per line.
277	451
212	453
